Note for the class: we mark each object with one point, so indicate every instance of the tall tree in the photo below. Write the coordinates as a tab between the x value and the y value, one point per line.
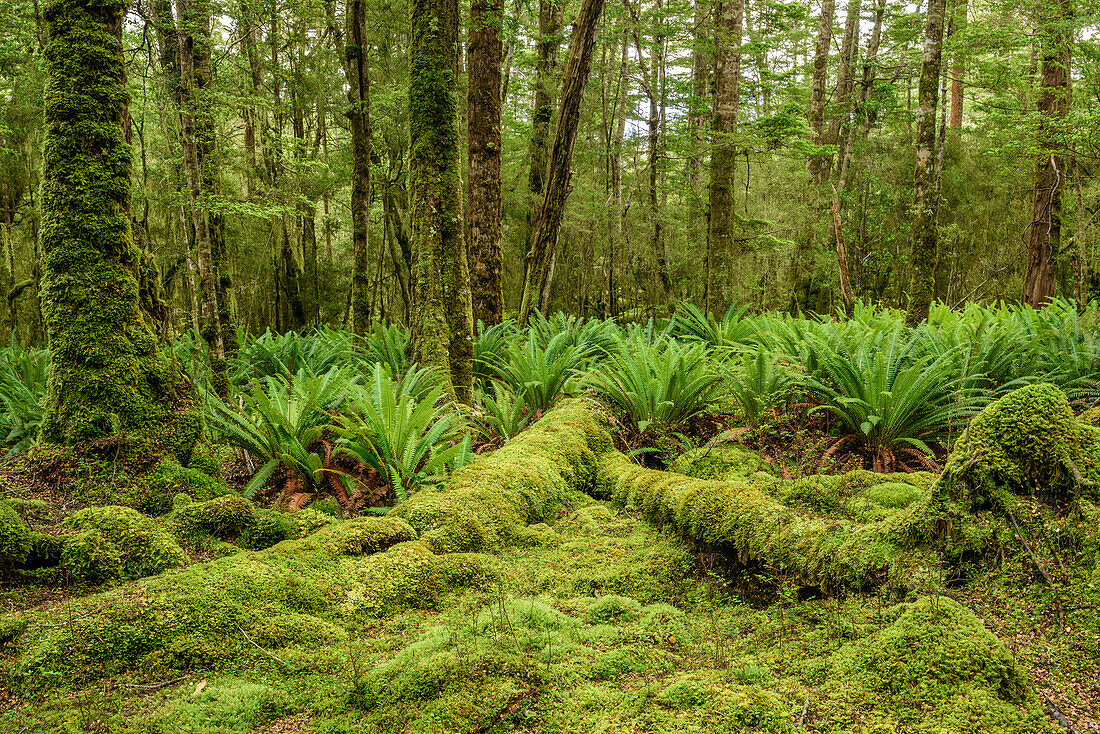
106	374
724	280
1051	173
958	12
485	60
536	286
925	239
357	73
819	83
442	315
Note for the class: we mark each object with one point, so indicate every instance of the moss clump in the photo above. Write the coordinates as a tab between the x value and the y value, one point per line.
470	570
932	660
361	535
268	528
614	609
486	503
596	519
15	539
407	576
27	509
726	462
1027	442
222	517
117	543
169	478
683	694
10	626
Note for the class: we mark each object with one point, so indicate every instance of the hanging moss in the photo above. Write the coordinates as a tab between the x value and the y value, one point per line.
106	373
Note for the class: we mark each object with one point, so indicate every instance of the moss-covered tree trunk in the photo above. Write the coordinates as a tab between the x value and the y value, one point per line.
724	282
485	58
924	221
442	314
106	373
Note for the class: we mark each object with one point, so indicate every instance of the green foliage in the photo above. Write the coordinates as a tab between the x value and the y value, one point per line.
22	391
734	329
404	439
660	387
501	416
541	374
281	420
759	384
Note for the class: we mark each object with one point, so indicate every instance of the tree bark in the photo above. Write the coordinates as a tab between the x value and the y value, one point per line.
840	119
1051	173
193	17
820	81
925	240
485	59
357	73
536	283
721	255
442	319
959	23
106	374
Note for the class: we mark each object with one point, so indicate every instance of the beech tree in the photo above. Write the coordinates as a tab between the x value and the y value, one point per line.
106	374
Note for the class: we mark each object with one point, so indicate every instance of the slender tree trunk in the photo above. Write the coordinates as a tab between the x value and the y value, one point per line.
867	85
194	30
536	282
550	23
357	71
106	374
959	24
442	319
656	104
618	227
485	59
1051	173
925	240
722	254
818	88
840	119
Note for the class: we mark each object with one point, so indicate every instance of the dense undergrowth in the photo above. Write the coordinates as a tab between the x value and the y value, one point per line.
537	572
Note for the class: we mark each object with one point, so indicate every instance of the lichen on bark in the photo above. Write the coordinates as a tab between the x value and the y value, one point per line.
106	373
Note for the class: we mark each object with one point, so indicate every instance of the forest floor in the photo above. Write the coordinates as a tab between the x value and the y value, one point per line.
609	625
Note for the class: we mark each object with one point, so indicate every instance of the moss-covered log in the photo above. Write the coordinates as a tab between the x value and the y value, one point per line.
748	523
492	500
106	374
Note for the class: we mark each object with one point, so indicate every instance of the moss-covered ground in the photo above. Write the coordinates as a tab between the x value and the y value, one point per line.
549	588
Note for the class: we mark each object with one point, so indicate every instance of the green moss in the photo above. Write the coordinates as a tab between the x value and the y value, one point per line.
361	535
683	694
231	705
1027	442
929	649
406	576
470	570
15	538
222	517
268	528
727	462
621	661
45	550
309	520
27	509
106	375
117	543
614	609
754	526
487	503
169	478
596	519
10	626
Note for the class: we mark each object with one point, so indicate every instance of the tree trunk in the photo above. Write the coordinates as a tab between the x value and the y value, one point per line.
1050	170
536	282
442	319
959	23
925	240
840	119
193	17
820	81
550	24
106	374
724	268
485	59
357	73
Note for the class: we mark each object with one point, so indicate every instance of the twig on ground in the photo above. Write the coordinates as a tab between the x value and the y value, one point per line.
152	686
74	619
1056	714
265	652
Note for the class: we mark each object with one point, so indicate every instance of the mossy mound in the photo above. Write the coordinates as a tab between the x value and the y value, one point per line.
488	502
934	667
725	462
1028	442
222	517
117	543
407	576
15	539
